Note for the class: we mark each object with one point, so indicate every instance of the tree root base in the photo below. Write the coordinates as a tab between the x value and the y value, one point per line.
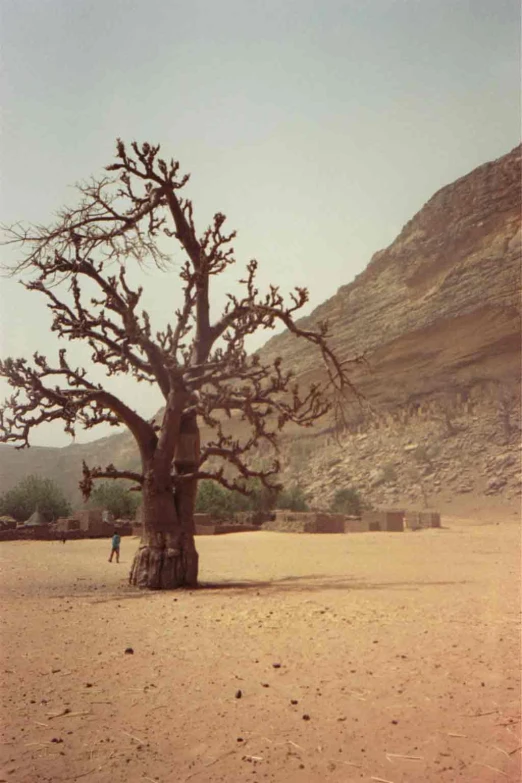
163	568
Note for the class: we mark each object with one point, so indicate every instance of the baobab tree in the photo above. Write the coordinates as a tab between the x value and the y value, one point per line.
81	265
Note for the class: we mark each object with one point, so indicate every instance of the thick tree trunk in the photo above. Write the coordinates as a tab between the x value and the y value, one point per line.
165	560
167	556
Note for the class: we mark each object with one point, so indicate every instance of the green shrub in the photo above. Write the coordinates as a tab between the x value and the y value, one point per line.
261	498
222	503
214	499
292	499
115	497
347	501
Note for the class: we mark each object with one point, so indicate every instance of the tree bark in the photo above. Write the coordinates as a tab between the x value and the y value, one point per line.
165	560
167	556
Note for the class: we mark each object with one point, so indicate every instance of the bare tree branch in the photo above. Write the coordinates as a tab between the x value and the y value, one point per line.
91	474
80	264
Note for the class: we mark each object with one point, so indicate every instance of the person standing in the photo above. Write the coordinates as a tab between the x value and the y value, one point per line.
115	547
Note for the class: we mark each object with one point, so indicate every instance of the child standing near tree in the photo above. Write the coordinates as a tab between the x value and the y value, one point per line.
115	547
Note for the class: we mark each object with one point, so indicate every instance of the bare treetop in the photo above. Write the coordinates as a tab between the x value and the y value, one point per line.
201	367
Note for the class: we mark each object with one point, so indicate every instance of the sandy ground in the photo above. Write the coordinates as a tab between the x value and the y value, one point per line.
373	657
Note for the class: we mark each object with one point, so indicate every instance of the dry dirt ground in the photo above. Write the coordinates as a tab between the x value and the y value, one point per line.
303	659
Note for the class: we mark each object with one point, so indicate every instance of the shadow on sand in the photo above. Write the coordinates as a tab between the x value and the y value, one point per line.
299	584
319	582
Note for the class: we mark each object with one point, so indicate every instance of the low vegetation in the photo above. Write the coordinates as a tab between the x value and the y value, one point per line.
347	501
223	504
34	492
292	499
31	494
114	496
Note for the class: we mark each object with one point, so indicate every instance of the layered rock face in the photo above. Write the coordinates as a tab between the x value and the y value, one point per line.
438	309
437	317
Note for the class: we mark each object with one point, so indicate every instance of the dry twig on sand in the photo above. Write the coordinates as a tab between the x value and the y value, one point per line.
77	714
210	764
133	737
83	774
509	722
402	756
454	734
66	713
89	771
495	769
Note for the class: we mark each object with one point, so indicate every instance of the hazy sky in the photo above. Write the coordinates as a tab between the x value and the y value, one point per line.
318	126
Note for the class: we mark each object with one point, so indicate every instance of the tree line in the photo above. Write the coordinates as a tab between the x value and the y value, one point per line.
36	493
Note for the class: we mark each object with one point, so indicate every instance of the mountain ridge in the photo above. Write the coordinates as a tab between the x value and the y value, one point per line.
424	254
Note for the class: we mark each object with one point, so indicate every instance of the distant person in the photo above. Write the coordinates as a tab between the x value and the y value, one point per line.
64	539
115	547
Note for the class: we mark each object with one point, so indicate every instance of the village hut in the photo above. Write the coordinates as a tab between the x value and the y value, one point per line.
95	522
37	525
36	519
7	523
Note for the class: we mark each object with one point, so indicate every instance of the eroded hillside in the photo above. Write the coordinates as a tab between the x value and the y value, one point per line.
437	316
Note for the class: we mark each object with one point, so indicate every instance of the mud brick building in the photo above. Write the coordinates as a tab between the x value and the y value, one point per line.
391	521
417	520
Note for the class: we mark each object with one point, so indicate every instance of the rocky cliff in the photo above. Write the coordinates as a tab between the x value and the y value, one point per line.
439	308
436	316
